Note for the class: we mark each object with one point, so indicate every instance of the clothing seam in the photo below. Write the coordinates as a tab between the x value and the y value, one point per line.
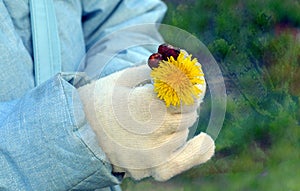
35	45
50	47
74	124
84	179
71	117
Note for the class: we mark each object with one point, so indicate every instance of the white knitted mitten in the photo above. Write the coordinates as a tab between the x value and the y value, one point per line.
138	133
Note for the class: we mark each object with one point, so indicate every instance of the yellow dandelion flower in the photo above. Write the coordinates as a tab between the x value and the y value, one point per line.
175	81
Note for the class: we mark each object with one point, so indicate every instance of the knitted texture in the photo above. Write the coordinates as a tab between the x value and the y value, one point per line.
139	134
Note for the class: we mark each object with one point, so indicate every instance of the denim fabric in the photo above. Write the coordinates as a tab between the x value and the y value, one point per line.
80	25
45	141
16	68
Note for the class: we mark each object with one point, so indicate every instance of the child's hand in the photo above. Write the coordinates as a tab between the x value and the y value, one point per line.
138	133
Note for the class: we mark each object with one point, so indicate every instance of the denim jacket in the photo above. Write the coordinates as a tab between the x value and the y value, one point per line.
45	140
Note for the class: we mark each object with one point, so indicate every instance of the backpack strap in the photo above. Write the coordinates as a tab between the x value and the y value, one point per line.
46	44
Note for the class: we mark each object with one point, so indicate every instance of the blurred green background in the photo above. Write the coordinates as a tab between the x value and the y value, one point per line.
257	47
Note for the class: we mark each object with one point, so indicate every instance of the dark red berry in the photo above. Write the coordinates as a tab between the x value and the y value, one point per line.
154	60
167	51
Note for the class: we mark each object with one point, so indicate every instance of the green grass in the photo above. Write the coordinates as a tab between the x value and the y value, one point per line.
259	145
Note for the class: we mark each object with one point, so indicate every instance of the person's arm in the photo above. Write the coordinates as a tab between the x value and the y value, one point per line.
46	142
119	34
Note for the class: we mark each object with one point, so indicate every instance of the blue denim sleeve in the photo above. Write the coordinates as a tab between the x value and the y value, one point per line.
47	144
119	34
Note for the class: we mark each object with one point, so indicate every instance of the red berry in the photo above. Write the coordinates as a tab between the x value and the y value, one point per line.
154	60
167	51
